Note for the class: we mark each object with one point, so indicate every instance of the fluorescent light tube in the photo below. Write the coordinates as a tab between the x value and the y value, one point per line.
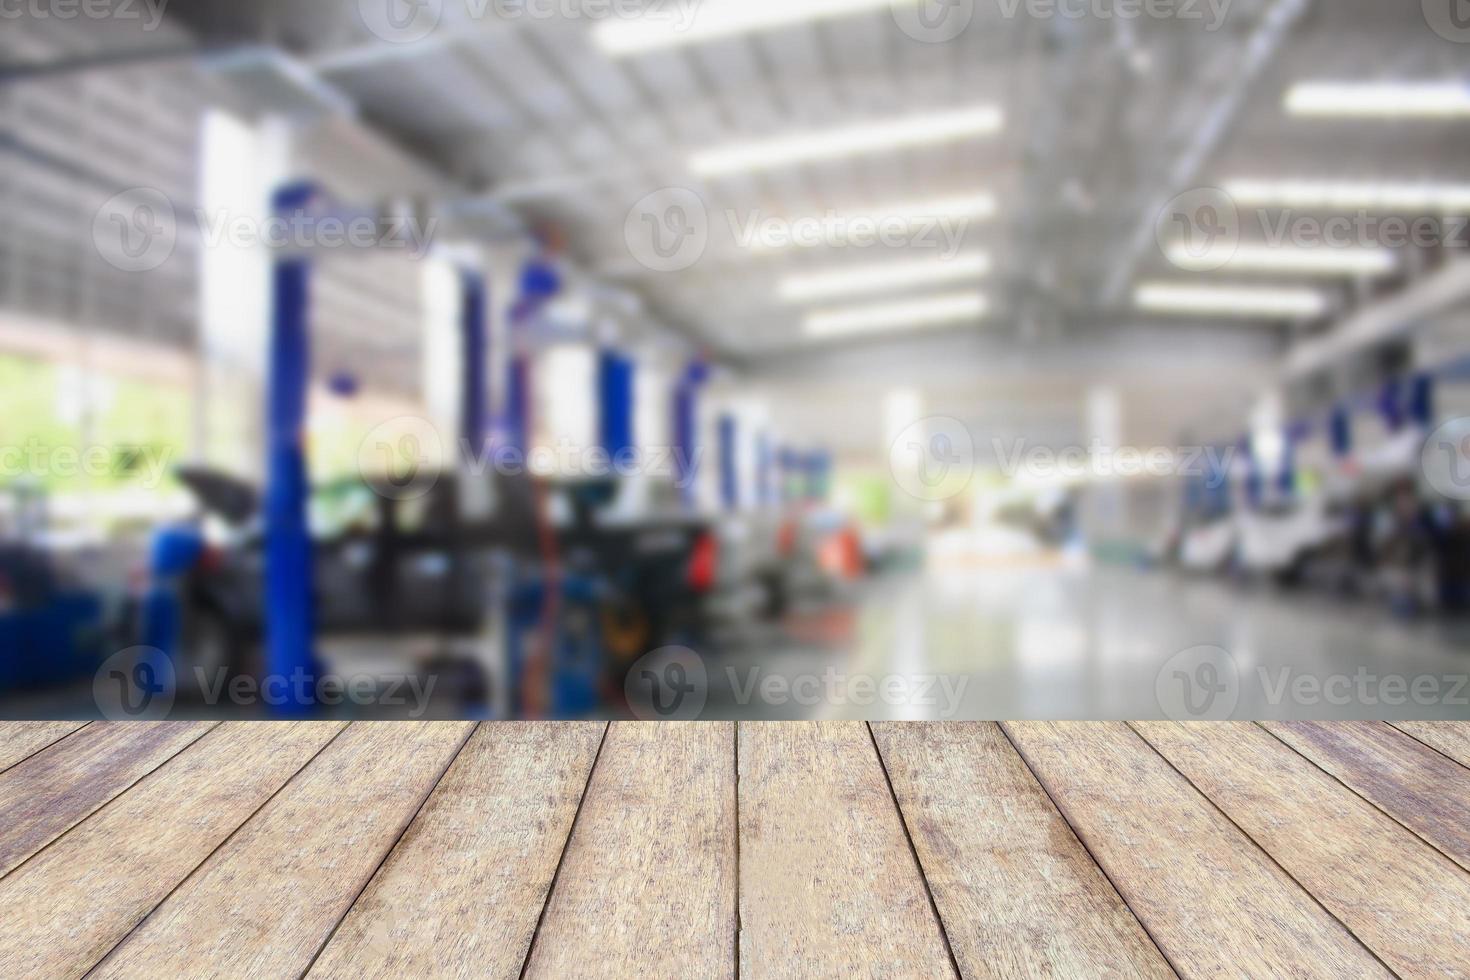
1399	195
907	315
1265	258
672	25
1389	100
1244	301
879	277
847	141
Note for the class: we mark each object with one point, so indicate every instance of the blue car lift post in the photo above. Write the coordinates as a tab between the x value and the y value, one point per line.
289	603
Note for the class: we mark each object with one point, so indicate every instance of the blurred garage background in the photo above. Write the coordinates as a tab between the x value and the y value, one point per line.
735	358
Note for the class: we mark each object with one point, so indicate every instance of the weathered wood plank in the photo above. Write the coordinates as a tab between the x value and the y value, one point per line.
19	740
461	893
1216	905
1412	783
647	883
828	883
263	904
67	906
1405	900
1451	738
53	790
1018	894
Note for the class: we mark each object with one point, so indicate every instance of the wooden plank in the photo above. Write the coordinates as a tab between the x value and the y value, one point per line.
1411	782
19	740
647	883
461	893
53	790
1018	894
263	904
828	883
1406	901
1451	738
1213	901
63	915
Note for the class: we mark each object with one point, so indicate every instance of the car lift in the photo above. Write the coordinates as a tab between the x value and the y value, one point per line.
289	628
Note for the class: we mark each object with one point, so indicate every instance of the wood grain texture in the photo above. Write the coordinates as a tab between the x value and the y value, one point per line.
461	893
21	739
1412	783
53	790
263	904
828	883
1018	894
1451	738
71	903
1406	901
647	883
1213	901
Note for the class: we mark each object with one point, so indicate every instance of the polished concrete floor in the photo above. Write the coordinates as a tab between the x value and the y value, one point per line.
1080	641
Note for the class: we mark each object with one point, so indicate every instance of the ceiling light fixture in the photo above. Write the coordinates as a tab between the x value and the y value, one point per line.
1401	195
668	26
1266	258
857	280
848	141
907	315
1388	100
1241	301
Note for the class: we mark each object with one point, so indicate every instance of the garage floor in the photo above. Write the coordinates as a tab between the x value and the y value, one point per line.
1059	642
836	849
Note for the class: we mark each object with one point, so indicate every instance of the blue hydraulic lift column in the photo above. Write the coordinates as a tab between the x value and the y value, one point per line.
474	409
615	379
289	613
686	429
729	464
